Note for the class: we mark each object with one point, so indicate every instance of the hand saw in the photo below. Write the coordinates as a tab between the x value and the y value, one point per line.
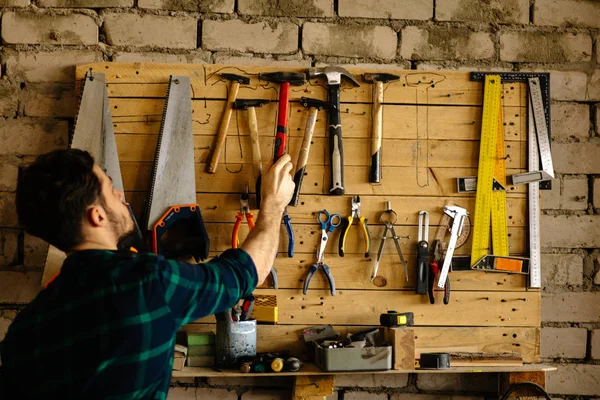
94	133
171	204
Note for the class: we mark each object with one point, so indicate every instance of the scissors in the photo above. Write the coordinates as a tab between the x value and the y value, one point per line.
328	223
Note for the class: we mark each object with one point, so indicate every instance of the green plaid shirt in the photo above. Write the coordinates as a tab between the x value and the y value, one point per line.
105	328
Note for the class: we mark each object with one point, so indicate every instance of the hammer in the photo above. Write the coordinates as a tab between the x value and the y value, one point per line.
334	80
285	79
249	105
378	79
236	80
314	106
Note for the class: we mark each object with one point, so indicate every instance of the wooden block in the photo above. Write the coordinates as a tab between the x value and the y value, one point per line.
403	342
313	385
512	378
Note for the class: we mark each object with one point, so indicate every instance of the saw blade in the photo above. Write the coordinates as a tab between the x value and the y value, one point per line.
173	178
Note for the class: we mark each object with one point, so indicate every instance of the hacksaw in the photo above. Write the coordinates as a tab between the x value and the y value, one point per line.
171	202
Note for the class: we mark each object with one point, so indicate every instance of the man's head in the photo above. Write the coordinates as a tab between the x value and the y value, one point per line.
67	200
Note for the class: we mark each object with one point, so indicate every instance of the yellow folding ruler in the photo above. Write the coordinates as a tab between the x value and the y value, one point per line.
490	204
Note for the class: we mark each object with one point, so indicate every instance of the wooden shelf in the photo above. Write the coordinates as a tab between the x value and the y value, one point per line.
312	369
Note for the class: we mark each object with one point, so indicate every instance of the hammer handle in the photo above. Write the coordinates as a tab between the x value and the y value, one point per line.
303	154
375	174
256	164
335	143
282	119
222	134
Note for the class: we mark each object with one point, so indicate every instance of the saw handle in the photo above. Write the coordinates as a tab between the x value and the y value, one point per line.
222	134
303	154
377	135
335	142
282	120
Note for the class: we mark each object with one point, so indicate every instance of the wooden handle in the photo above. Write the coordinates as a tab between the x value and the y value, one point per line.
375	175
253	124
222	134
303	154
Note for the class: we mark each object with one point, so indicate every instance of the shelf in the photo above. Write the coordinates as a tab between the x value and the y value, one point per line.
311	369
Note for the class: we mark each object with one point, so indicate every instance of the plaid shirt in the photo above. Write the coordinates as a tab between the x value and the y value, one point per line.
105	328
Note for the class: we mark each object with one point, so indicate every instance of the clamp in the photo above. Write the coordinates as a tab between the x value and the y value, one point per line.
362	221
389	217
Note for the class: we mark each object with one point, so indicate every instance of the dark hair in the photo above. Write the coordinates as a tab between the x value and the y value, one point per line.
53	194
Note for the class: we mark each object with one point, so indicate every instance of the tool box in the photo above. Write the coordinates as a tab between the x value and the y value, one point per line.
377	358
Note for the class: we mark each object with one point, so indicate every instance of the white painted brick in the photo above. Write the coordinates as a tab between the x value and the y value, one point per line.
19	287
260	37
596	192
563	343
55	66
593	92
9	249
192	393
9	174
372	381
496	11
584	13
571	307
445	43
388	9
566	194
49	100
578	379
459	66
414	396
545	47
34	252
9	98
576	158
48	29
283	381
291	8
216	6
262	394
372	66
562	270
227	59
358	41
8	210
595	344
457	382
24	136
194	57
570	120
14	3
364	396
150	30
568	85
85	3
570	231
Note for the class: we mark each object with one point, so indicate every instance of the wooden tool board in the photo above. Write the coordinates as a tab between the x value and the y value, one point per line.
431	130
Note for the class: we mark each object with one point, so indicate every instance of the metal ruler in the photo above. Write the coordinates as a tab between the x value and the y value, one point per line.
541	129
490	206
535	276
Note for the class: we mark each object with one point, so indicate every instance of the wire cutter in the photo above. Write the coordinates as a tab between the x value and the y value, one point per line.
438	256
348	224
389	217
245	211
328	224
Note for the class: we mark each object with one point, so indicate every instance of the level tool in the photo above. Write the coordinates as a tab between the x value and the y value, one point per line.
490	205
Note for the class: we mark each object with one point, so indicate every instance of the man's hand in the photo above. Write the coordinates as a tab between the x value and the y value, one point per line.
263	240
277	185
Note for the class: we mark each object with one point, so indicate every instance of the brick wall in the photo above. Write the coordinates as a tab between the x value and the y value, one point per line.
42	40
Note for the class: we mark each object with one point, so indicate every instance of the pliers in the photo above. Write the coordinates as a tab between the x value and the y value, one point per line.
245	211
435	266
327	226
290	232
355	214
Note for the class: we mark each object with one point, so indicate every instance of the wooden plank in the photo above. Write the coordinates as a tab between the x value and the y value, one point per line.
421	87
396	152
224	207
143	116
311	386
400	181
524	341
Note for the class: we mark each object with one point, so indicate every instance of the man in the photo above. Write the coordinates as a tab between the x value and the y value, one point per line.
105	328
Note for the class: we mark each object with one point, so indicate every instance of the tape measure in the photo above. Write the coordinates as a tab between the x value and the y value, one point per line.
490	205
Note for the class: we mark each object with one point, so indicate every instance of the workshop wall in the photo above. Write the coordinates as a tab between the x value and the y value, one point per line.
42	41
